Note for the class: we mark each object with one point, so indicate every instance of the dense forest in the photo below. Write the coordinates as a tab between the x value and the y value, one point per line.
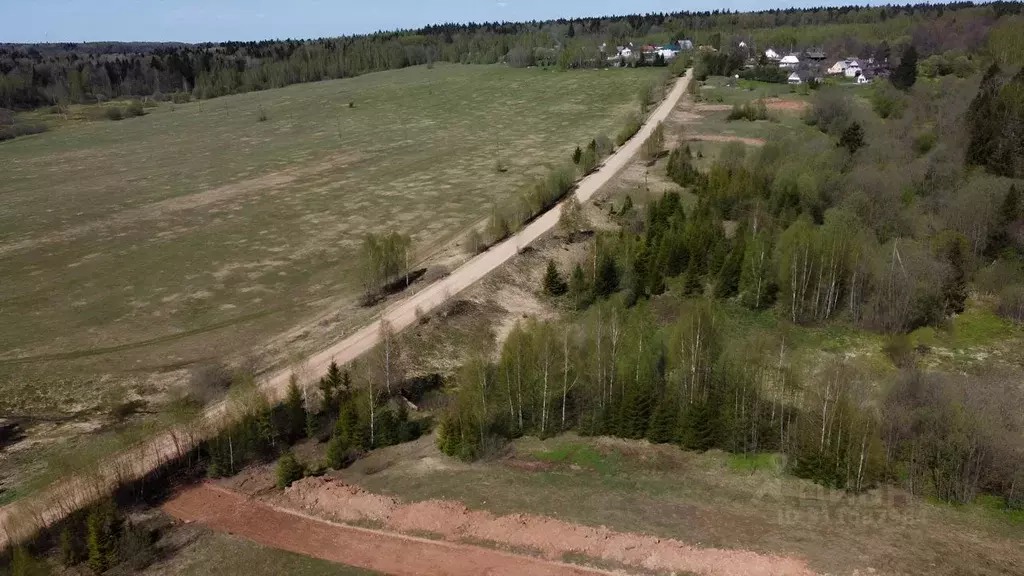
57	74
885	221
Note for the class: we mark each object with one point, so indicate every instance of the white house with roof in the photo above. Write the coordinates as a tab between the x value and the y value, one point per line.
790	61
853	72
795	78
771	54
841	66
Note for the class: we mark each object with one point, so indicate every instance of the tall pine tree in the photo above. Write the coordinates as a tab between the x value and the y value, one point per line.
905	74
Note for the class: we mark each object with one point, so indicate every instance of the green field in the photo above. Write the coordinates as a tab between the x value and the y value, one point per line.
199	231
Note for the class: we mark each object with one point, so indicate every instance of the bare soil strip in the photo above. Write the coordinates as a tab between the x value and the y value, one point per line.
770	103
333	499
391	553
20	519
725	138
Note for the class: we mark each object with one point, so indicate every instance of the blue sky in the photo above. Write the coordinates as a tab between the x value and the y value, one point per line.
212	20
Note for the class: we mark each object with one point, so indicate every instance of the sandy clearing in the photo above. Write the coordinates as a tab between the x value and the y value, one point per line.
21	518
333	499
386	552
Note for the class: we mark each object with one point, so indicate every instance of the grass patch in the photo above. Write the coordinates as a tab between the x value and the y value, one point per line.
584	456
995	507
978	326
751	463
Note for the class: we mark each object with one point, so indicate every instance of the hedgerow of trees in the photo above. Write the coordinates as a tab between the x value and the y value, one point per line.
58	74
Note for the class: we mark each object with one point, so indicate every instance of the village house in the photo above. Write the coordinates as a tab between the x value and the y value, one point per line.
794	78
771	54
841	66
668	51
790	61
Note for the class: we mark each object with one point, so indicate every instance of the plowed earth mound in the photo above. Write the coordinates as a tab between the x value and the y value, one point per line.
235	513
553	538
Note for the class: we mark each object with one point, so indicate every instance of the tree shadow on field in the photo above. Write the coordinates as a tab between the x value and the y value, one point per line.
394	287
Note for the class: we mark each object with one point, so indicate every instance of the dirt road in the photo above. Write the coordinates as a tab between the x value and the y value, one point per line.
52	504
386	552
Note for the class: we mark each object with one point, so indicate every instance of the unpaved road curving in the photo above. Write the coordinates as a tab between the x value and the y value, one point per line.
52	504
386	552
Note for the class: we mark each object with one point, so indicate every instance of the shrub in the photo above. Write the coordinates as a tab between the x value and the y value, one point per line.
113	113
751	111
629	127
122	411
498	226
338	454
70	549
102	526
680	167
474	242
571	220
831	110
134	109
654	143
588	161
209	382
924	142
14	129
607	280
1011	303
852	138
288	470
23	564
554	285
603	145
135	548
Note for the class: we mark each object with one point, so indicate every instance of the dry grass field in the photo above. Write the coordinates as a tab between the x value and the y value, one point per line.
198	230
131	251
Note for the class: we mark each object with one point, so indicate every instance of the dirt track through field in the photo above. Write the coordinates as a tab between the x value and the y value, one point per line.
20	519
726	138
386	552
554	538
